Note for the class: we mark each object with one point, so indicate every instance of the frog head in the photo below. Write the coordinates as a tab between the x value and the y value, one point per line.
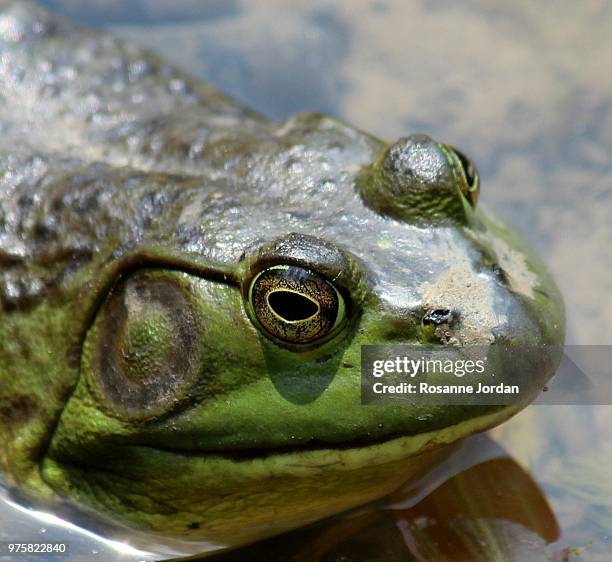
216	345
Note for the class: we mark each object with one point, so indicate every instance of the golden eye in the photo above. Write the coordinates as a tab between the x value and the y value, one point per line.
295	305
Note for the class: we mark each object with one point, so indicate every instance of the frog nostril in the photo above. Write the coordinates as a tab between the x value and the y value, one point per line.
438	316
499	273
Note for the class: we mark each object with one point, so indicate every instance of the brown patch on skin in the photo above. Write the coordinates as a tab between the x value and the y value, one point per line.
521	278
470	297
18	410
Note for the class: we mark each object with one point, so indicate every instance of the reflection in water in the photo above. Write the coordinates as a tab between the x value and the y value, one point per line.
493	511
568	449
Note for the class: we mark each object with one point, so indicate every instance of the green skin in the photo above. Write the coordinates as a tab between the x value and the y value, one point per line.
137	374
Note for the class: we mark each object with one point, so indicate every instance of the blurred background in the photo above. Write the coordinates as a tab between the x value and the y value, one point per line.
524	88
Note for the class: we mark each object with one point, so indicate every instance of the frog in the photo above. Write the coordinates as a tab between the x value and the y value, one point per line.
186	287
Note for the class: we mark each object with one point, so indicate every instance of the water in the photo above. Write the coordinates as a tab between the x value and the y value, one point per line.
521	87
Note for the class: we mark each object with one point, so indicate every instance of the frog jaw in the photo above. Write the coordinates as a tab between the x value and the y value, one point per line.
258	497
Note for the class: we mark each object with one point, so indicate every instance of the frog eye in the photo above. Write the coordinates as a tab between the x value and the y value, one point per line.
471	189
296	305
419	180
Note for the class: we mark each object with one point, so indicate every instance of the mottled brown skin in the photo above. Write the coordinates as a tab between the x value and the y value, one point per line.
116	168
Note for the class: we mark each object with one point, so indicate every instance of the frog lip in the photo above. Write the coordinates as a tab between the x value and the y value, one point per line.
312	445
347	455
262	452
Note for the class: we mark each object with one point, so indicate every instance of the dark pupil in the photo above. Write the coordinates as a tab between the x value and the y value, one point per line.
468	168
291	306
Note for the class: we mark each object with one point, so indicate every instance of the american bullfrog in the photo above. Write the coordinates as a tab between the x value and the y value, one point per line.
185	288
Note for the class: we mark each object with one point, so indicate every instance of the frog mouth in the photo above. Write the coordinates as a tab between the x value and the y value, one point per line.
411	443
